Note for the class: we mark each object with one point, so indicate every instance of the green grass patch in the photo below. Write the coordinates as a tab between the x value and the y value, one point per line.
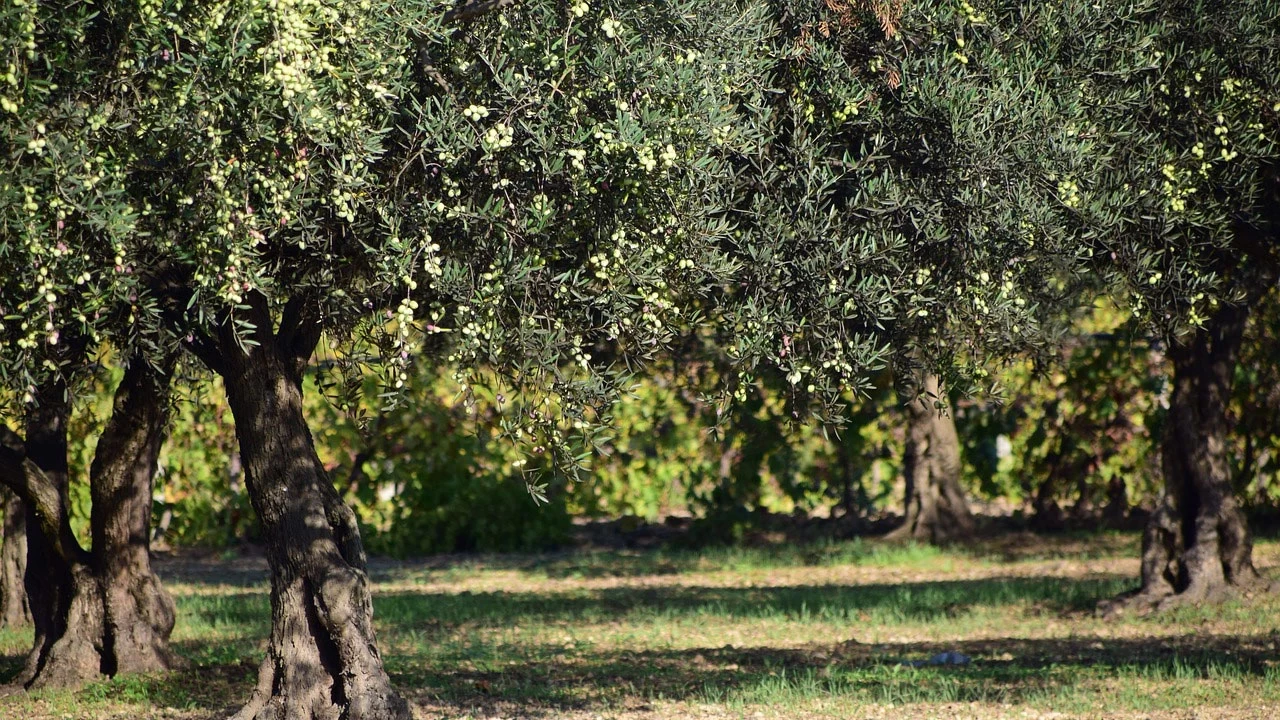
802	631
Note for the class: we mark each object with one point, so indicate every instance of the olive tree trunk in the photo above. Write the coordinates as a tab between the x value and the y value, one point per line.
101	612
1197	546
322	659
138	612
14	611
936	510
64	597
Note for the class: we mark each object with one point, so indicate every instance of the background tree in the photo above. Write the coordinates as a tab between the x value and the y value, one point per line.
935	508
1189	228
914	178
1075	436
1185	216
100	610
1256	409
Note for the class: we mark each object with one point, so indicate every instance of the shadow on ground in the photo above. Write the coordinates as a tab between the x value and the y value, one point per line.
544	680
440	612
909	602
250	567
1006	670
438	658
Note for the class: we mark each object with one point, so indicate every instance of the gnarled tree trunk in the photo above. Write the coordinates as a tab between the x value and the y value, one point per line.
936	508
1197	545
138	612
61	590
322	659
14	611
101	612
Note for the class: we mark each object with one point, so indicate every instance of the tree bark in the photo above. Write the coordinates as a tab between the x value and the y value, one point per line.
14	611
936	509
1197	546
63	594
138	612
102	612
322	659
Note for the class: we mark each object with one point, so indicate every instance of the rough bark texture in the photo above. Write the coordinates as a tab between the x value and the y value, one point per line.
102	612
1197	546
63	594
138	612
322	659
936	508
14	611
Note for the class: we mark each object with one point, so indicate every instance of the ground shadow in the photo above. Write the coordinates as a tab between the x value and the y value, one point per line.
250	568
435	655
543	680
1005	670
913	601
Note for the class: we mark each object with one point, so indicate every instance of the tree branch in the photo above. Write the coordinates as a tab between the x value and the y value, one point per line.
299	332
28	482
206	349
472	9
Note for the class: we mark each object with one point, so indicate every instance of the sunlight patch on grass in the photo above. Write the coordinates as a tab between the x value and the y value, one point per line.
815	631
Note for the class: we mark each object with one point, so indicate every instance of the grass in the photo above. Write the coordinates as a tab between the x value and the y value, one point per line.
815	631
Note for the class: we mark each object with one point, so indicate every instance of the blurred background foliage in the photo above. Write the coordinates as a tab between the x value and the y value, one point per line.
1072	441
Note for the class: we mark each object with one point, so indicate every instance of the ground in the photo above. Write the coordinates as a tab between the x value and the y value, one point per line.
778	632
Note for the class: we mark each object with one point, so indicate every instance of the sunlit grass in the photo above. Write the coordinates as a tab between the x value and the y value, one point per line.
819	631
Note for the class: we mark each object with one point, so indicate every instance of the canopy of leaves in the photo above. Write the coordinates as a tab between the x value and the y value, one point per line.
547	194
1184	208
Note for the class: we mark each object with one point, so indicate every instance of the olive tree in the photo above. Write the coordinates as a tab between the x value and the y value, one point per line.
66	291
1140	146
1185	218
510	188
542	194
913	215
1064	149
